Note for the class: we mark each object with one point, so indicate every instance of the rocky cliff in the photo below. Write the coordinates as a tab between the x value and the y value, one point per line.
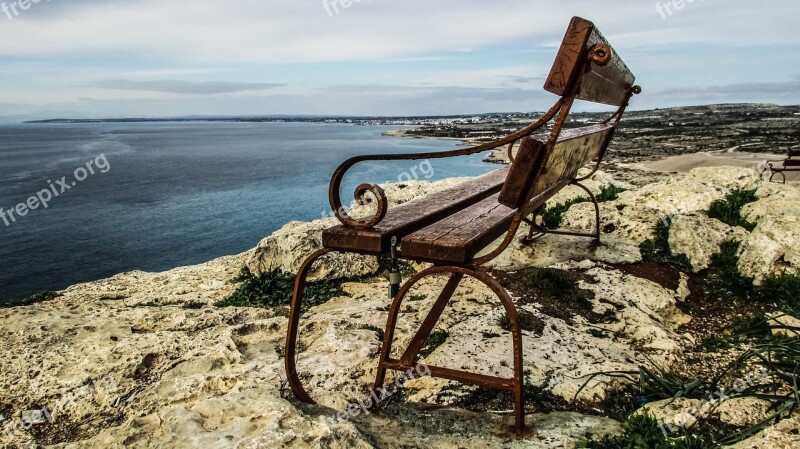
148	360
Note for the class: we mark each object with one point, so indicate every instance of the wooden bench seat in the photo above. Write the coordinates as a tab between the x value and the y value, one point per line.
460	237
415	215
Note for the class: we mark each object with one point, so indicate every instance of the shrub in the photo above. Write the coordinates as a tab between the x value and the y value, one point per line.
729	209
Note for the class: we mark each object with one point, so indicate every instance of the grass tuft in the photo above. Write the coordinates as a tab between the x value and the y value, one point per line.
729	209
643	432
609	192
436	339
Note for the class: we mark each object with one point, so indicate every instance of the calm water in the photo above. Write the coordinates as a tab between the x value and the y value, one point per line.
173	193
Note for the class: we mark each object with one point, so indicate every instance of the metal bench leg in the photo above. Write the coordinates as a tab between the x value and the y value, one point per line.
406	362
537	231
778	172
290	351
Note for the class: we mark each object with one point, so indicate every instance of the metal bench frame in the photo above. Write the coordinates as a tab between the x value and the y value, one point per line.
793	157
594	56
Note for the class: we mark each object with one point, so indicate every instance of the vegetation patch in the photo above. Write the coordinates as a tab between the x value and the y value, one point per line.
784	289
729	209
643	432
47	295
194	305
483	399
274	289
609	192
657	249
552	216
378	331
527	322
556	291
436	339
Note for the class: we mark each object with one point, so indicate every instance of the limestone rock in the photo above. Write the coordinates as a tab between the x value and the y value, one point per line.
699	238
774	199
783	435
673	413
773	247
288	247
742	412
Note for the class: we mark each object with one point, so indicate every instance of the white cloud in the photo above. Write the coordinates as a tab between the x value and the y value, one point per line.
150	54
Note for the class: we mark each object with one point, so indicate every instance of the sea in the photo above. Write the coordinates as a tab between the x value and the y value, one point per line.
157	195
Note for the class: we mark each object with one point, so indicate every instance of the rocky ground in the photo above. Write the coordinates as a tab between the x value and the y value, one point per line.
149	360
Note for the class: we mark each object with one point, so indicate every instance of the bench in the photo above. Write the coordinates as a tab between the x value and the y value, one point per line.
453	229
791	163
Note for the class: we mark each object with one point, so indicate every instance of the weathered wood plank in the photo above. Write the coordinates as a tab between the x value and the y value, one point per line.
415	215
458	238
534	170
523	172
574	149
607	84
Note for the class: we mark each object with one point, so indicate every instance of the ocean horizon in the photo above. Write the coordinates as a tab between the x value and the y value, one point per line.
84	201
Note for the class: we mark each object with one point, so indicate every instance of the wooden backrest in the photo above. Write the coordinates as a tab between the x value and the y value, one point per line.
587	62
586	68
528	177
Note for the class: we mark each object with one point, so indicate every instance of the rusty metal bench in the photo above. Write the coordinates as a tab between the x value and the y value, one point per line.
450	228
791	163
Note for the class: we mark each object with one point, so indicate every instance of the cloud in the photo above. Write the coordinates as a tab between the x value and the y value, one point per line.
781	92
184	87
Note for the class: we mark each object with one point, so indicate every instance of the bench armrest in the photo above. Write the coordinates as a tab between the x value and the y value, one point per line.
360	194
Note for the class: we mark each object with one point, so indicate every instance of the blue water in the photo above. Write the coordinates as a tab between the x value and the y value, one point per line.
174	193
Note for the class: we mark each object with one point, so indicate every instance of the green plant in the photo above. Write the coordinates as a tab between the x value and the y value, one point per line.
609	192
43	296
725	265
417	297
785	290
436	339
643	432
274	288
552	216
378	331
527	322
562	284
193	305
657	249
729	209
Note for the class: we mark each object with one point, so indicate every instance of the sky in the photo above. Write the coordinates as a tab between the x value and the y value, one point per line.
155	58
